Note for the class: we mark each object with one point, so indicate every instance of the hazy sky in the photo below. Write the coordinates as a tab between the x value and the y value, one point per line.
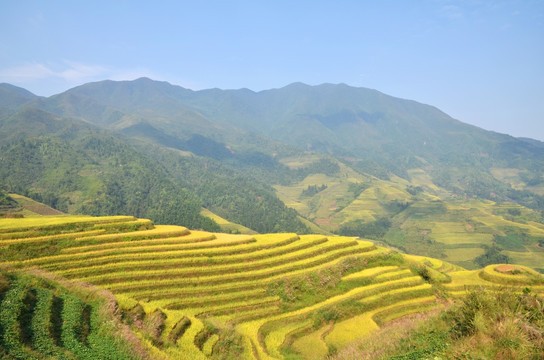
481	62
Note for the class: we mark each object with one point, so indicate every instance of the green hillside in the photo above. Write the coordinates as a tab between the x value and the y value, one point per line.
194	295
76	168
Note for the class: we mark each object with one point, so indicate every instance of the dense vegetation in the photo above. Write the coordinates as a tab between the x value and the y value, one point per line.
6	201
96	175
75	168
372	230
492	255
232	194
39	319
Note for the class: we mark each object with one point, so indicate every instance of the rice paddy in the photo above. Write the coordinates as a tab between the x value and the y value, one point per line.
194	295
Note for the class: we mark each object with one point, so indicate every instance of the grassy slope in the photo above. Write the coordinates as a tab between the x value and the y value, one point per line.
225	225
31	207
192	294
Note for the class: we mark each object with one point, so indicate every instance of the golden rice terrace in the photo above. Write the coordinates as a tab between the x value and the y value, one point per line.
197	295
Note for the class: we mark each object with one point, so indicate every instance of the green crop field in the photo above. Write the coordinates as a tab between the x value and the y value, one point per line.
174	293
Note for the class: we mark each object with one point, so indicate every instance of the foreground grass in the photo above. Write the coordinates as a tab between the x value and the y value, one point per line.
42	319
483	325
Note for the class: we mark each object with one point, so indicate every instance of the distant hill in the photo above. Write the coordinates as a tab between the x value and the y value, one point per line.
13	96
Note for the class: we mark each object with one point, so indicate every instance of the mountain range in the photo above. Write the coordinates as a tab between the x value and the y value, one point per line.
349	160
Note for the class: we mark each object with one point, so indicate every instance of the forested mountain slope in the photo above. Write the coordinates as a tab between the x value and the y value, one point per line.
77	167
374	132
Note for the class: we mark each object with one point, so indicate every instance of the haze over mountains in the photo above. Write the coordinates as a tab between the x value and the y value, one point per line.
129	147
361	124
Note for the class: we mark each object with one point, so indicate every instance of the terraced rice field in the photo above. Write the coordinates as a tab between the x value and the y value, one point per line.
195	295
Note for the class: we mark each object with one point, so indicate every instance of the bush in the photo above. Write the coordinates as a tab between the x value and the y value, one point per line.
506	324
371	230
492	255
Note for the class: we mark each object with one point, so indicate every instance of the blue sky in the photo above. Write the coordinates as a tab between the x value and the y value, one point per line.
480	61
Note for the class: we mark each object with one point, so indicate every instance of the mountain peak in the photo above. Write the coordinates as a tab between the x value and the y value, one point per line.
12	96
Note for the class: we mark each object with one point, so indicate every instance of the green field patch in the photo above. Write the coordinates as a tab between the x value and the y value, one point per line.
458	233
425	210
463	254
32	207
15	338
509	176
495	221
418	177
454	239
534	259
512	242
449	227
